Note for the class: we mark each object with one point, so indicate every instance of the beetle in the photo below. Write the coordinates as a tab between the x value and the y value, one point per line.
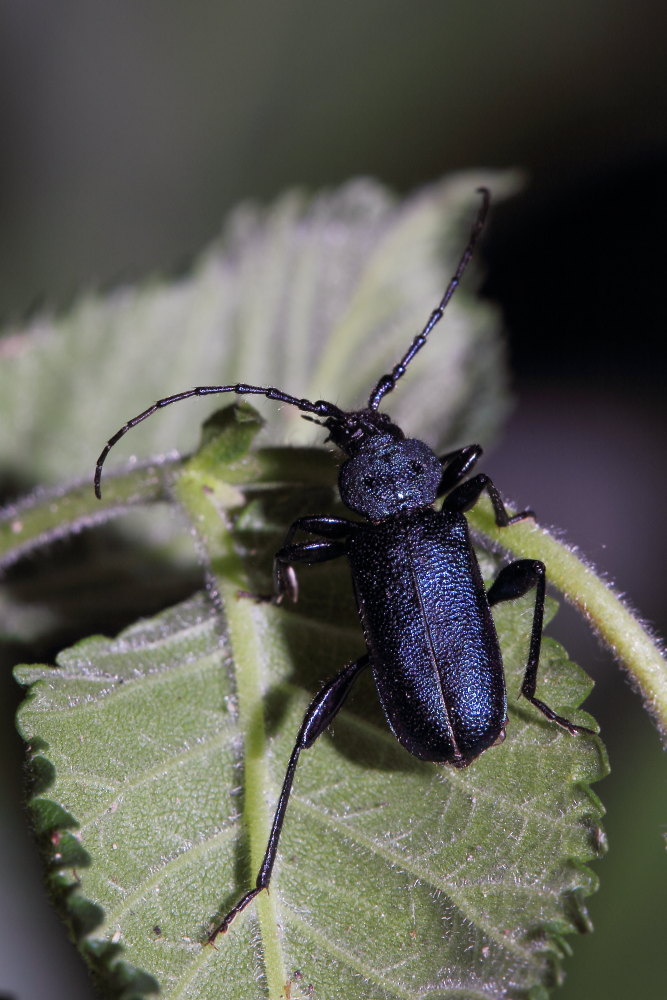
430	638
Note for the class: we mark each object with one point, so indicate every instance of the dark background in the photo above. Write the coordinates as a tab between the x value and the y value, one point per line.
128	131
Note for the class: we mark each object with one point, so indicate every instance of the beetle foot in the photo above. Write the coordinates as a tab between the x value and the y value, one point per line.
523	515
223	926
287	586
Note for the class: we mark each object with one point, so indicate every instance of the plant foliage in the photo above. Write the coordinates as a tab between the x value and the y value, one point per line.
158	755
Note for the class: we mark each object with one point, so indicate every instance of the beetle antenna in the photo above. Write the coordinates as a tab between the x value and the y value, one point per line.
388	381
321	408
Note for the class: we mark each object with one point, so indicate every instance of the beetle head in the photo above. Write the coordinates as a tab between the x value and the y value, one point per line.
388	475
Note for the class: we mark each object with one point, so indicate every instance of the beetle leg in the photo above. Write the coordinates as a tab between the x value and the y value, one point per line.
514	581
327	527
457	465
467	494
284	576
320	713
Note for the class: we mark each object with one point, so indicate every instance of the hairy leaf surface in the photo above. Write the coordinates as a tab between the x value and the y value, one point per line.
395	878
158	756
317	295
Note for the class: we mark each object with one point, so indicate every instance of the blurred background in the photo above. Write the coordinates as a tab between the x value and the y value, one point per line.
129	130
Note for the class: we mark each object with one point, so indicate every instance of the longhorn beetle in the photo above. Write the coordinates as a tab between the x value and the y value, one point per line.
430	637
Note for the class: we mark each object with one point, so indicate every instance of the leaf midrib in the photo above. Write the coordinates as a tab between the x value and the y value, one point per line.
245	643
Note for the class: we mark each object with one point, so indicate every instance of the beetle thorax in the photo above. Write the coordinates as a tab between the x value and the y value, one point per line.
388	476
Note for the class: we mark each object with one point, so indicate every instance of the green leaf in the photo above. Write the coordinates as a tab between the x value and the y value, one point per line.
158	756
395	878
314	294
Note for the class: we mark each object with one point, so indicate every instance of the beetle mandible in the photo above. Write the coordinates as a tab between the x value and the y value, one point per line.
426	615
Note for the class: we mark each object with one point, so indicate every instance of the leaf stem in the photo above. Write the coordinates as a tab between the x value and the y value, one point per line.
202	497
614	621
47	515
245	634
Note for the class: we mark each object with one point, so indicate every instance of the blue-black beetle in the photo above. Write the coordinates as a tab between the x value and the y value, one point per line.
426	615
